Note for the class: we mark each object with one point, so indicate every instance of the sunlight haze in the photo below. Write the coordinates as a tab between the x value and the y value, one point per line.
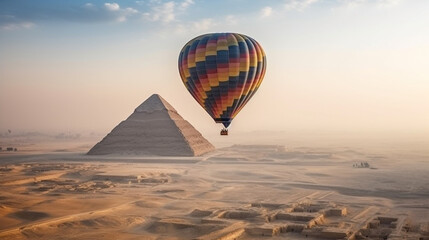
331	64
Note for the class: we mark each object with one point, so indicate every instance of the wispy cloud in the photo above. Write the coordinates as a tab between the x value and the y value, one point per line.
166	12
121	14
231	20
298	5
16	16
163	12
89	6
112	6
266	11
197	27
387	3
24	17
130	11
353	4
9	22
185	4
203	25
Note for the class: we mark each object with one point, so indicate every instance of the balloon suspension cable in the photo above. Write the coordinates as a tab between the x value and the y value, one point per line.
224	132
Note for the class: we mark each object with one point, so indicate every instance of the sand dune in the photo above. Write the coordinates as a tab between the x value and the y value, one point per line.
240	192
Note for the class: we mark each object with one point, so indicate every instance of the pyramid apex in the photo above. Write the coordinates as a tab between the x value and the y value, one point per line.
155	128
154	103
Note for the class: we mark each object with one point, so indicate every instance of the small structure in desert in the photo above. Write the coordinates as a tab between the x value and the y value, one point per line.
155	128
361	165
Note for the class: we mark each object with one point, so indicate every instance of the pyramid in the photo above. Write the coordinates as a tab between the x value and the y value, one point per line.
155	128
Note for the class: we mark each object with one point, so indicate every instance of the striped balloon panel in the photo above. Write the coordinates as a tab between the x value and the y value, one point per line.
222	71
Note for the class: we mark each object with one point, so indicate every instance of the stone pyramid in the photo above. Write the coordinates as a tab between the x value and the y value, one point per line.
155	128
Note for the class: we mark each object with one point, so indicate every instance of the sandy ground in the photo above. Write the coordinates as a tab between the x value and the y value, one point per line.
238	192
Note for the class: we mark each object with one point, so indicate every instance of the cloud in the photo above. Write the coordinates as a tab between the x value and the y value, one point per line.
163	12
387	3
112	6
130	11
298	5
89	6
266	11
195	27
25	16
119	13
185	4
203	25
231	20
10	22
15	26
352	4
166	12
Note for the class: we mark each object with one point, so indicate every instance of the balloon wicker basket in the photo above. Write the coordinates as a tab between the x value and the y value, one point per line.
224	132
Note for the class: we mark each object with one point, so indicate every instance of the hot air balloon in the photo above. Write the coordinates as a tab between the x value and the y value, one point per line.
222	71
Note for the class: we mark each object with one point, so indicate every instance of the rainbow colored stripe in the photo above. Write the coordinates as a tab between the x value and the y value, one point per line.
222	71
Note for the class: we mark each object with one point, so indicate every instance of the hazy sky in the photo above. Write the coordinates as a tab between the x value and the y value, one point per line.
332	64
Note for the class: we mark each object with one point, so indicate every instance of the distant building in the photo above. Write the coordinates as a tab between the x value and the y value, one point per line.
361	165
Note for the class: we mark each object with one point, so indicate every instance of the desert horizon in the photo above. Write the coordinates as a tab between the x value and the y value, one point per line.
214	120
289	188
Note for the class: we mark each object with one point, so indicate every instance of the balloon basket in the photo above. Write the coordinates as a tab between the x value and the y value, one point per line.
224	132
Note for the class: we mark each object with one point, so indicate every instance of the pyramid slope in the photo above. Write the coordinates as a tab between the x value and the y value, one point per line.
155	128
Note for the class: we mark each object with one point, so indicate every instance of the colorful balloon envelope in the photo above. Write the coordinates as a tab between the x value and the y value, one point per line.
222	71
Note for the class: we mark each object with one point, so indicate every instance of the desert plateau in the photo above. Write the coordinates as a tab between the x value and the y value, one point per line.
235	192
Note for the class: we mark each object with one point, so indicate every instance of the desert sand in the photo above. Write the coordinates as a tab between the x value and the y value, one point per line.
236	192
